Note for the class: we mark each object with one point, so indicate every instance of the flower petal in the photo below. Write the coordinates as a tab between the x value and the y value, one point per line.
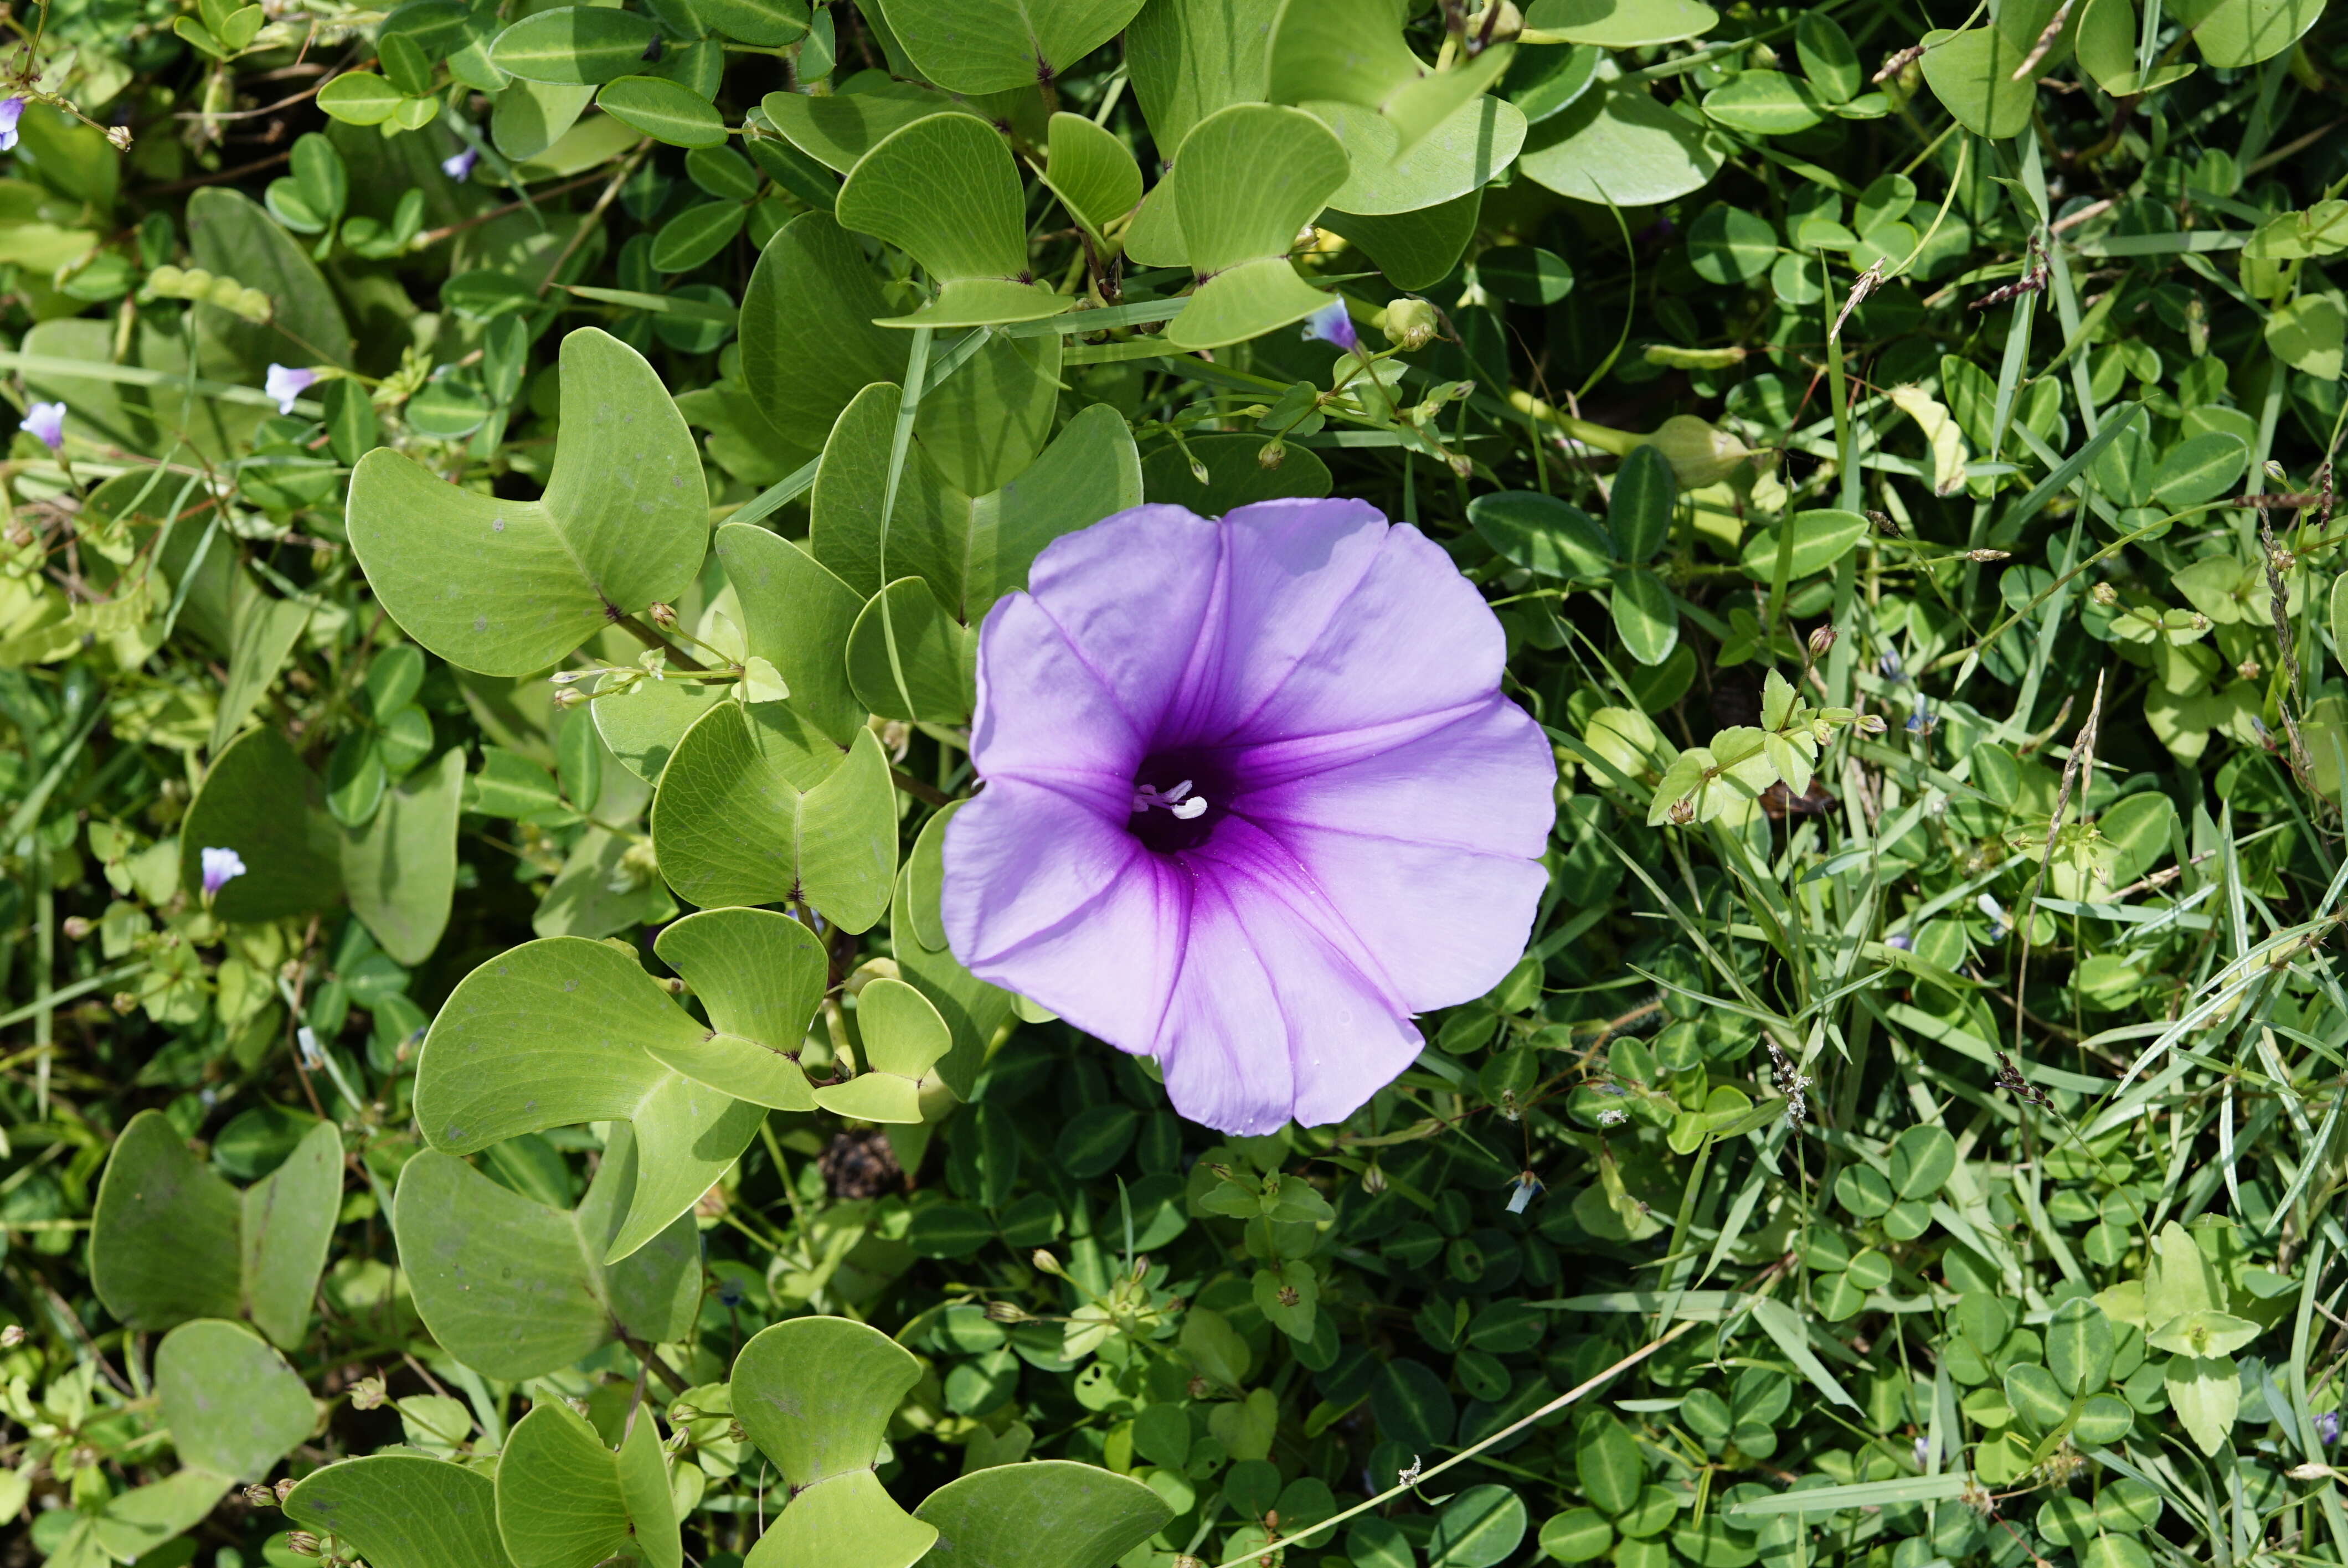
1243	1053
1428	852
1340	623
1132	594
1046	896
1082	729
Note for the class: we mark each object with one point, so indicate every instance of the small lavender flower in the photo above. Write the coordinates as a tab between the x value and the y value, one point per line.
1919	722
1901	940
11	111
285	382
222	866
1528	1188
1923	1450
1889	665
1332	324
47	421
307	1039
2327	1426
459	165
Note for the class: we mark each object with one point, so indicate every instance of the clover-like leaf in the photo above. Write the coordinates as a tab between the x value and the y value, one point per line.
758	806
904	1039
508	587
404	1511
945	190
1246	179
1001	45
2206	1392
1048	1513
171	1241
515	1290
2203	1334
234	1405
560	1031
1329	49
564	1499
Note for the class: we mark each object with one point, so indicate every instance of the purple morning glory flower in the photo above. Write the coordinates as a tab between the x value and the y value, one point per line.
285	382
222	866
1253	797
458	164
46	422
11	111
1332	324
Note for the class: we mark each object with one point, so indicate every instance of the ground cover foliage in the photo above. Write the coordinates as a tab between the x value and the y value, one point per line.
485	664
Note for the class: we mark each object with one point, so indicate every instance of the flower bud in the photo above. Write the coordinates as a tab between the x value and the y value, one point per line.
1411	323
1870	724
119	135
1699	454
12	1335
259	1497
661	614
1496	22
1272	455
1374	1180
368	1393
1987	556
2248	669
302	1543
2104	594
125	1002
1820	641
1682	812
570	697
284	1488
2282	560
1007	1312
76	927
1046	1264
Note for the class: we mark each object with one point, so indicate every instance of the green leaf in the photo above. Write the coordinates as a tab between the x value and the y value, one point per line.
1047	1513
696	234
2199	469
400	869
760	974
1092	172
404	1511
266	627
945	190
905	657
808	344
662	109
169	1241
1765	103
2204	1334
259	800
1820	539
1478	1529
359	97
1644	616
1577	1535
972	1008
1971	73
1002	45
769	24
2307	334
1607	1463
1827	56
516	1289
1456	158
574	45
1616	145
1250	177
2079	1347
528	118
1544	535
1416	249
757	807
1923	1160
2034	1396
2231	34
1525	274
1613	24
559	1497
623	524
145	1518
838	129
2180	1278
904	1039
1638	512
570	1024
234	238
1330	50
816	1395
1236	475
234	1405
797	615
2207	1395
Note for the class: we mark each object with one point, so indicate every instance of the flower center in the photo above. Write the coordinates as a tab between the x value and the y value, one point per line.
1178	798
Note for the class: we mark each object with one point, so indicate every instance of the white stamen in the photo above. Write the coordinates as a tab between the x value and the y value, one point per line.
1178	800
1191	809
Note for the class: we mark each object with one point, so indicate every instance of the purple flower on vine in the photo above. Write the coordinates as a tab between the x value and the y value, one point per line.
458	164
1253	798
285	382
46	422
220	867
1334	325
11	111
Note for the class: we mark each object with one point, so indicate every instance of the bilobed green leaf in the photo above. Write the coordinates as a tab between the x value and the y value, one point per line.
1092	172
1047	1513
1544	535
1454	159
1616	145
905	656
1611	25
1000	46
839	128
559	1032
904	1039
808	344
816	1395
944	190
559	1502
1330	50
404	1511
259	800
623	524
663	110
1250	177
516	1289
234	1405
758	806
797	615
760	974
574	45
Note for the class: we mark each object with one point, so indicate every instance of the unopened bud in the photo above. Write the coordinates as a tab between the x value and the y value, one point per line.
259	1497
2104	594
2200	621
1986	555
1141	1268
1411	323
368	1393
119	135
1046	1264
1272	455
12	1335
1870	724
1682	812
125	1001
661	614
2248	669
1374	1180
76	927
285	1488
1820	641
1288	1297
737	1433
302	1543
570	696
1495	24
2282	560
1187	1561
1006	1312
